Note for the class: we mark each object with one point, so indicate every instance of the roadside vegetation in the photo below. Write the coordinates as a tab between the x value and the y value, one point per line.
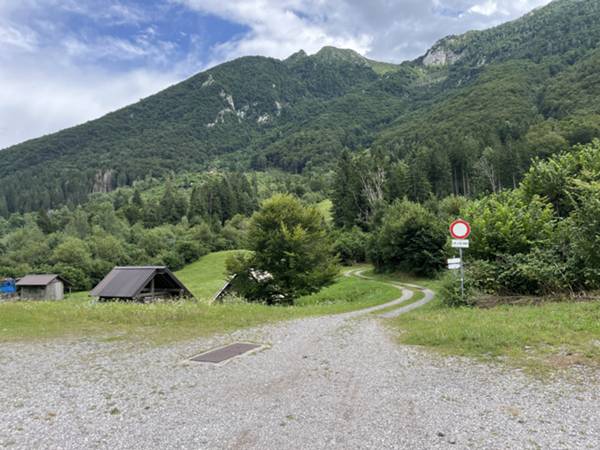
537	338
539	239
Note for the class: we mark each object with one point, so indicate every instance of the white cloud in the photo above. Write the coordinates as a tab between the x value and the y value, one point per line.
383	29
38	100
108	11
278	28
24	38
117	49
486	8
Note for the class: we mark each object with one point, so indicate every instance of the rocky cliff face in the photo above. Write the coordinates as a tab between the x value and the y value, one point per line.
103	181
441	54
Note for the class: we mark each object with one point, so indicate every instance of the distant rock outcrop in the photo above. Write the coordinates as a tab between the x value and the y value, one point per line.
441	54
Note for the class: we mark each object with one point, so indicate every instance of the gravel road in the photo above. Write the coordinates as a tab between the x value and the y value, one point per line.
331	382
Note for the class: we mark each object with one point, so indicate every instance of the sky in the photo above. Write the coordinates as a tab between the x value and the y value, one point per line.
64	62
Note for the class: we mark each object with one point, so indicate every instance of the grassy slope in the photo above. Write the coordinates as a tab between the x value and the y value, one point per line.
168	322
537	338
206	276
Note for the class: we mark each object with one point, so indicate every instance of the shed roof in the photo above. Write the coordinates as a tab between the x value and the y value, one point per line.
128	282
39	280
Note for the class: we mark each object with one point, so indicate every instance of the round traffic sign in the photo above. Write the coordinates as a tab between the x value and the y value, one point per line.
460	229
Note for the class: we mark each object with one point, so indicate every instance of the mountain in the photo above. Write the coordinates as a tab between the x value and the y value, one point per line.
483	102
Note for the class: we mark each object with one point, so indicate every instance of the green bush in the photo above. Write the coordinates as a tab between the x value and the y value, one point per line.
78	277
584	235
410	239
538	272
351	245
508	224
450	292
484	276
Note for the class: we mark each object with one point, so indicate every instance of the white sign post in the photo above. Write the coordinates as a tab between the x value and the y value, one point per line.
454	263
460	231
460	243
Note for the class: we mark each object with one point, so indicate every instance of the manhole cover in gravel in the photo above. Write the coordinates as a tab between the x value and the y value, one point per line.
225	353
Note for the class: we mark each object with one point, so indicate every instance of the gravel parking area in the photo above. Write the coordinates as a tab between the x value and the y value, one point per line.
331	382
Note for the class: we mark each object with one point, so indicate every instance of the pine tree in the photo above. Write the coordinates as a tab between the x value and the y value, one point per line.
347	193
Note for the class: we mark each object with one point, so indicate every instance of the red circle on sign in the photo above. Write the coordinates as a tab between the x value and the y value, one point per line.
460	229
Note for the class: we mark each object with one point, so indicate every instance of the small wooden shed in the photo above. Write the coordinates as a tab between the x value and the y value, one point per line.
145	283
258	276
42	287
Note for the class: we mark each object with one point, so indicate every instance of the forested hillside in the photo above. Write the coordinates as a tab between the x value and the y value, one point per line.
167	222
466	118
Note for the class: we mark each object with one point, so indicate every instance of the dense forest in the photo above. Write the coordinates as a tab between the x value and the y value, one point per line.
538	239
171	222
466	119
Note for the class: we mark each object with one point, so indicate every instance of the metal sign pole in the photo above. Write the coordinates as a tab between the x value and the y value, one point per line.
460	231
462	275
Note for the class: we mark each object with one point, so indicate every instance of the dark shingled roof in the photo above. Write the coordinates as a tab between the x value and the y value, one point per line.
128	282
39	280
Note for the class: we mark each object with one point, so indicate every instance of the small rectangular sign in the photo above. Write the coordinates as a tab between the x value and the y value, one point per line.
453	266
460	243
454	261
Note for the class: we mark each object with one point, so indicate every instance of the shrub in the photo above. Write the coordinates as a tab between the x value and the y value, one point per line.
351	245
450	292
584	247
410	239
507	224
539	273
483	275
171	259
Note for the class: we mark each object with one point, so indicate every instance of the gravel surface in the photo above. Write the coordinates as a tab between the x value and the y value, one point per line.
331	382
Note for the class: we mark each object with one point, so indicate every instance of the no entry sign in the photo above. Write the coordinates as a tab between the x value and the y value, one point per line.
460	229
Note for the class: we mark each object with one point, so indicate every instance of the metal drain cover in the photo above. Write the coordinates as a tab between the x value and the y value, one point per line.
223	354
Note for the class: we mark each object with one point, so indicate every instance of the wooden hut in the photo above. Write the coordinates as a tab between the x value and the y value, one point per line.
42	287
143	284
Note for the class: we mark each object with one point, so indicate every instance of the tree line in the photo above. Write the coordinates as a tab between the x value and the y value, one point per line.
537	239
167	225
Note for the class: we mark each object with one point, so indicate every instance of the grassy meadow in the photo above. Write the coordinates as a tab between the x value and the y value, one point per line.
205	277
158	323
538	338
548	336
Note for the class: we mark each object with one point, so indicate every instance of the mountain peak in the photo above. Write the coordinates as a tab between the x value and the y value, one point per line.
329	53
300	54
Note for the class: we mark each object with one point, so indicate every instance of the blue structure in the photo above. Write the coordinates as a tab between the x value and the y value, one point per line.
8	286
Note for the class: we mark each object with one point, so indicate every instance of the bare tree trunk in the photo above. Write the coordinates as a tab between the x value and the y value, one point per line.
487	169
372	185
